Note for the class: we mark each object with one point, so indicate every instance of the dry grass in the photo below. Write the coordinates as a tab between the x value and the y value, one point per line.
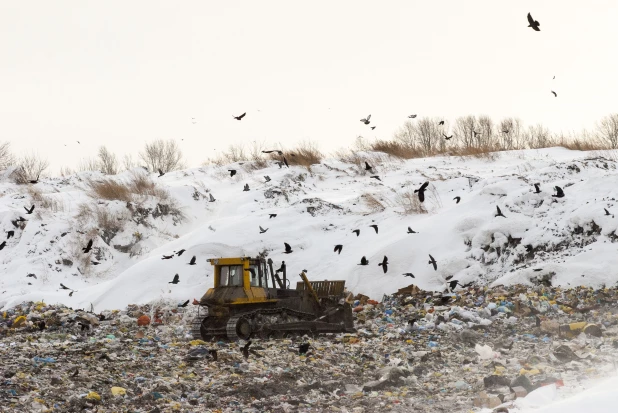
486	152
42	201
139	186
373	203
396	149
410	203
305	154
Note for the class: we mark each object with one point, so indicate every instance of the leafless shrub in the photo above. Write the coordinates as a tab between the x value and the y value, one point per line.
607	130
42	201
65	171
88	165
306	153
128	163
108	161
410	203
6	157
397	149
30	167
373	203
139	186
163	155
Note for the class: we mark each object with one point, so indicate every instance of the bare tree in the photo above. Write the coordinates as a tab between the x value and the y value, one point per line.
30	168
510	133
428	134
406	134
538	136
464	131
127	162
164	155
88	165
6	157
108	161
486	136
607	130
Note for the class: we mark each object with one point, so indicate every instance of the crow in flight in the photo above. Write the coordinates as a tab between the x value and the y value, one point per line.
176	280
533	23
356	231
184	304
366	120
271	216
364	261
192	262
288	249
457	199
537	188
374	226
88	247
262	230
31	276
559	192
2	245
338	248
373	127
232	172
64	287
555	94
447	137
606	213
376	177
29	211
421	191
274	150
9	234
384	264
368	167
168	257
161	173
179	253
499	213
433	262
441	122
240	117
409	274
411	116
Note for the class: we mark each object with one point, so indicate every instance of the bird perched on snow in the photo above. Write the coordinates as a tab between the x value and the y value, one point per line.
176	280
537	189
366	120
607	212
559	192
179	253
9	234
411	231
31	276
421	191
433	262
192	262
384	264
364	261
240	117
499	213
212	198
168	257
457	199
267	178
288	249
271	216
533	23
262	230
374	226
246	188
338	248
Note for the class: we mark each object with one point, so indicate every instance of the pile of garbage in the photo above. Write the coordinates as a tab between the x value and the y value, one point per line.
473	349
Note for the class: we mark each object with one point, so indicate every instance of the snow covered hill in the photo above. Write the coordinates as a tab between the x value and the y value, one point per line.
564	241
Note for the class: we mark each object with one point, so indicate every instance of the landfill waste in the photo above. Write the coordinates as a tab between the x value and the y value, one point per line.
416	351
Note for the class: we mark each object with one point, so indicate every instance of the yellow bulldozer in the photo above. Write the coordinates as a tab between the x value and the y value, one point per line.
249	299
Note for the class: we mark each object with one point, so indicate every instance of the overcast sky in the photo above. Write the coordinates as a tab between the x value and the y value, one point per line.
121	73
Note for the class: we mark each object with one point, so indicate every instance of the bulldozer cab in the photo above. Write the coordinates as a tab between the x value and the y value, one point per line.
240	272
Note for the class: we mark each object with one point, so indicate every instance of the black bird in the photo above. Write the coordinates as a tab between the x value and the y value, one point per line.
285	161
374	226
262	230
408	274
537	188
356	231
2	245
421	191
368	167
212	198
95	262
41	325
280	164
505	131
376	177
366	120
448	277
559	192
457	199
433	262
364	261
606	213
246	188
499	213
161	173
88	247
303	348
179	253
176	280
411	116
338	248
447	137
240	117
274	150
245	350
64	287
36	181
533	23
411	231
441	122
186	303
29	211
271	216
452	285
373	127
555	94
232	172
476	133
267	178
168	257
192	262
9	234
384	264
288	249
31	276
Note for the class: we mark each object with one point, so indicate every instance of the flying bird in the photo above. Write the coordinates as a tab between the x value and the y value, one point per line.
555	94
186	303
441	122
212	198
559	192
192	262
452	285
179	253
411	231
433	262
373	127
161	173
285	161
606	211
368	167
246	188
338	248
176	280
411	116
267	178
364	261
447	137
457	199
476	133
9	234
409	274
288	249
537	188
374	226
2	245
376	177
31	276
356	231
64	287
271	216
384	264
95	262
88	247
240	117
262	230
505	131
232	172
274	150
421	191
533	23
29	211
499	213
366	120
168	257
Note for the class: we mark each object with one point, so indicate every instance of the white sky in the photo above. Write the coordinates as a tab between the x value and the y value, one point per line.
126	72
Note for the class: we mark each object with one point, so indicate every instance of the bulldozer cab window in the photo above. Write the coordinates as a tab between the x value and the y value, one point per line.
254	276
231	275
